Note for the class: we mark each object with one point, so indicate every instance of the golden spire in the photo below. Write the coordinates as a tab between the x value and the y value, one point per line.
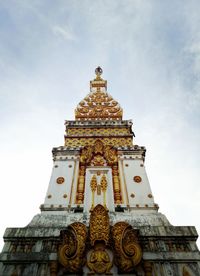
98	105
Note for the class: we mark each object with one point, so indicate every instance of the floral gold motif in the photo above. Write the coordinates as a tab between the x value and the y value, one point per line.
98	160
60	180
99	225
137	179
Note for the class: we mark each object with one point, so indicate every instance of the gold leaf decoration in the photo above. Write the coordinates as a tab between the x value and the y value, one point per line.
98	105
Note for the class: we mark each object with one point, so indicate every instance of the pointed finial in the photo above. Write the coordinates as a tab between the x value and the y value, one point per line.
98	72
98	83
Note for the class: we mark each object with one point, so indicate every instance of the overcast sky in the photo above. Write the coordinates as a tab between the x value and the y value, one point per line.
150	54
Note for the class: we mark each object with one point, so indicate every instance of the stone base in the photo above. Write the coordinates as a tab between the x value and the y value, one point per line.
167	250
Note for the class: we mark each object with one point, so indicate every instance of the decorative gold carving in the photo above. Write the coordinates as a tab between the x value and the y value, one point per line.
53	268
148	269
98	131
82	142
98	189
81	185
98	147
100	155
98	160
137	179
99	261
93	185
116	184
60	180
185	271
98	105
71	252
127	251
86	155
104	185
110	155
99	225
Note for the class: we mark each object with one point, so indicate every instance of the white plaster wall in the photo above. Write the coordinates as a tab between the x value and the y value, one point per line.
135	167
64	169
98	199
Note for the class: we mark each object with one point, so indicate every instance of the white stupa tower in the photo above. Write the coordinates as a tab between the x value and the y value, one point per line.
99	216
99	147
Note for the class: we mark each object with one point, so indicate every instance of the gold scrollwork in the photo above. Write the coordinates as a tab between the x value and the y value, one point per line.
71	252
127	251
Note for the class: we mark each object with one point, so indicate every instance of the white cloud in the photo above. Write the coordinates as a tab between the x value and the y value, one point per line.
64	33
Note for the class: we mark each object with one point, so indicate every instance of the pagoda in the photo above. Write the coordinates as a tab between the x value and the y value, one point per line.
99	216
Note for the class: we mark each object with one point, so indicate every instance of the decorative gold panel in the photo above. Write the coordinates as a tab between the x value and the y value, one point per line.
98	105
99	225
82	142
97	131
99	261
99	155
